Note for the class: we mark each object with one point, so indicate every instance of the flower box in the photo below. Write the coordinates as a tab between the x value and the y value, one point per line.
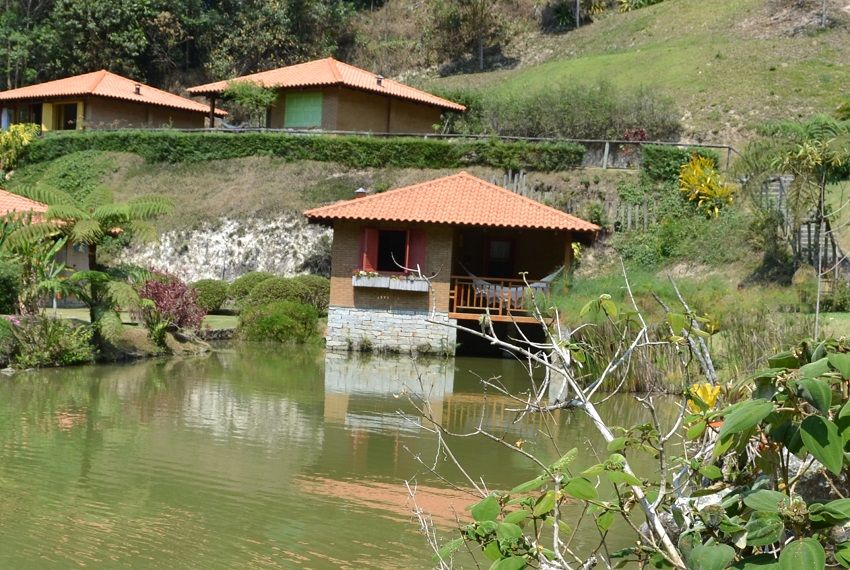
396	283
376	281
408	284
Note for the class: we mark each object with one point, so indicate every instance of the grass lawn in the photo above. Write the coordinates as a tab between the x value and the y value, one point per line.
214	322
836	324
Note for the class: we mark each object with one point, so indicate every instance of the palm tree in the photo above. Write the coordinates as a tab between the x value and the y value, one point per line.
88	221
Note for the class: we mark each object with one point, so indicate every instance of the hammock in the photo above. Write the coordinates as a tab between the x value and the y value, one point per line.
495	293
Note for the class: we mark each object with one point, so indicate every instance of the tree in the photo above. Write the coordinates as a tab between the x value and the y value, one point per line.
250	101
462	27
89	221
816	153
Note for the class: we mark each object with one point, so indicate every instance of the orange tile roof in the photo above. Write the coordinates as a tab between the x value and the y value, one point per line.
105	84
460	199
15	204
331	72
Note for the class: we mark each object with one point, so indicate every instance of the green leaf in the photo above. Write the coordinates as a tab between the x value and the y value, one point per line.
492	552
445	552
581	488
765	500
486	510
763	529
507	532
623	477
843	421
802	553
841	362
696	430
783	360
816	392
565	460
832	512
532	485
605	520
758	562
711	557
711	472
512	563
544	504
821	438
593	470
745	416
617	444
842	554
517	517
815	369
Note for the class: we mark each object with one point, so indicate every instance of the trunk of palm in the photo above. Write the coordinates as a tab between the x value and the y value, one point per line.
96	306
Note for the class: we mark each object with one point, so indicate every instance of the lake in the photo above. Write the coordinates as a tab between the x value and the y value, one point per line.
258	457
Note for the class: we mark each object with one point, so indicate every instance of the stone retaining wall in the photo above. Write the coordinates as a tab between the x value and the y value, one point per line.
389	331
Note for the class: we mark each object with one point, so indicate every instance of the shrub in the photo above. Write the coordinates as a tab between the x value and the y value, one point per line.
8	344
13	142
700	181
242	286
318	291
43	341
211	294
662	163
172	303
352	151
576	111
282	321
278	289
10	280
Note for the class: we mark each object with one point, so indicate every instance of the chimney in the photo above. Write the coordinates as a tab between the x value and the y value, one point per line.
380	79
360	193
138	88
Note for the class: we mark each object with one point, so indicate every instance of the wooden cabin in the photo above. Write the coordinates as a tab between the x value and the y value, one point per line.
331	95
447	250
99	100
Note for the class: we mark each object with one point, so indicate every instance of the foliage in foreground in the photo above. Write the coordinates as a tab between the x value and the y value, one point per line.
168	302
212	293
280	321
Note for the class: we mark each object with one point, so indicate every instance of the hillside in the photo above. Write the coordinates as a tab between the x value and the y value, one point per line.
728	64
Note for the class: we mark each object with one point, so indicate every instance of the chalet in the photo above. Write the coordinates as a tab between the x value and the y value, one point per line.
443	251
15	206
98	100
330	95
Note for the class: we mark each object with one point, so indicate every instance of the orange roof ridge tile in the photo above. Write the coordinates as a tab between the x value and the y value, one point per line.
458	199
16	204
329	71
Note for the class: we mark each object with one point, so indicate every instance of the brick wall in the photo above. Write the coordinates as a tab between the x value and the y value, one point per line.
112	113
410	117
345	255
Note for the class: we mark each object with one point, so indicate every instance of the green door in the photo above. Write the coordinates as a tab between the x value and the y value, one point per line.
303	111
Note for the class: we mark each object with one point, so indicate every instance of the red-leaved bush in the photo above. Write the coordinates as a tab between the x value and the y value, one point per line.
174	301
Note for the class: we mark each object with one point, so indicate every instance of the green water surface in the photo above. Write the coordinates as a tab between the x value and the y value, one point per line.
257	458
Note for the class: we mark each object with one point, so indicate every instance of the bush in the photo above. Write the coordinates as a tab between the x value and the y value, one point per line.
318	291
10	279
352	151
662	163
242	286
594	111
211	294
43	341
8	344
282	321
172	303
278	289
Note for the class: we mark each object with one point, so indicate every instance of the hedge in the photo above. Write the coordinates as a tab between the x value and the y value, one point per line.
352	151
212	293
662	163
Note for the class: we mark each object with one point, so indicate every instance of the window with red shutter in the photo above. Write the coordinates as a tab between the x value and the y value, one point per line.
369	250
418	251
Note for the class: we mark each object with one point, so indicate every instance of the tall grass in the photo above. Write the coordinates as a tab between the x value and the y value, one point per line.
750	327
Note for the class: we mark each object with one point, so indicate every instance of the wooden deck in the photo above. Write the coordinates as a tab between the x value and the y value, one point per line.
506	300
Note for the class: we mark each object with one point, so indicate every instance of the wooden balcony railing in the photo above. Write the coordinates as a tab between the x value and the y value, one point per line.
504	299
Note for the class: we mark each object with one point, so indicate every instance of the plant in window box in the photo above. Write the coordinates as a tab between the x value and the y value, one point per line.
370	279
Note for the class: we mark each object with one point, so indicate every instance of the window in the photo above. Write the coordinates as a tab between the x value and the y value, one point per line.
500	259
386	250
302	111
66	115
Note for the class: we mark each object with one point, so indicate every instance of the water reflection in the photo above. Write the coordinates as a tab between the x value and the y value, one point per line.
252	457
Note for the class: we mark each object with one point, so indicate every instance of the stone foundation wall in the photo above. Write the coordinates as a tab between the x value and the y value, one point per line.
389	331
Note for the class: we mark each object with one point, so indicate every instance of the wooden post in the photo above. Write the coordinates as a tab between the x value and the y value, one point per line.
605	155
568	254
212	111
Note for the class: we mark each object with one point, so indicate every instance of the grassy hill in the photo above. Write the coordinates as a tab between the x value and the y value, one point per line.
728	64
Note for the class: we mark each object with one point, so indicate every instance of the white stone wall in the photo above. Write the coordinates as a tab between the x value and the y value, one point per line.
394	331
